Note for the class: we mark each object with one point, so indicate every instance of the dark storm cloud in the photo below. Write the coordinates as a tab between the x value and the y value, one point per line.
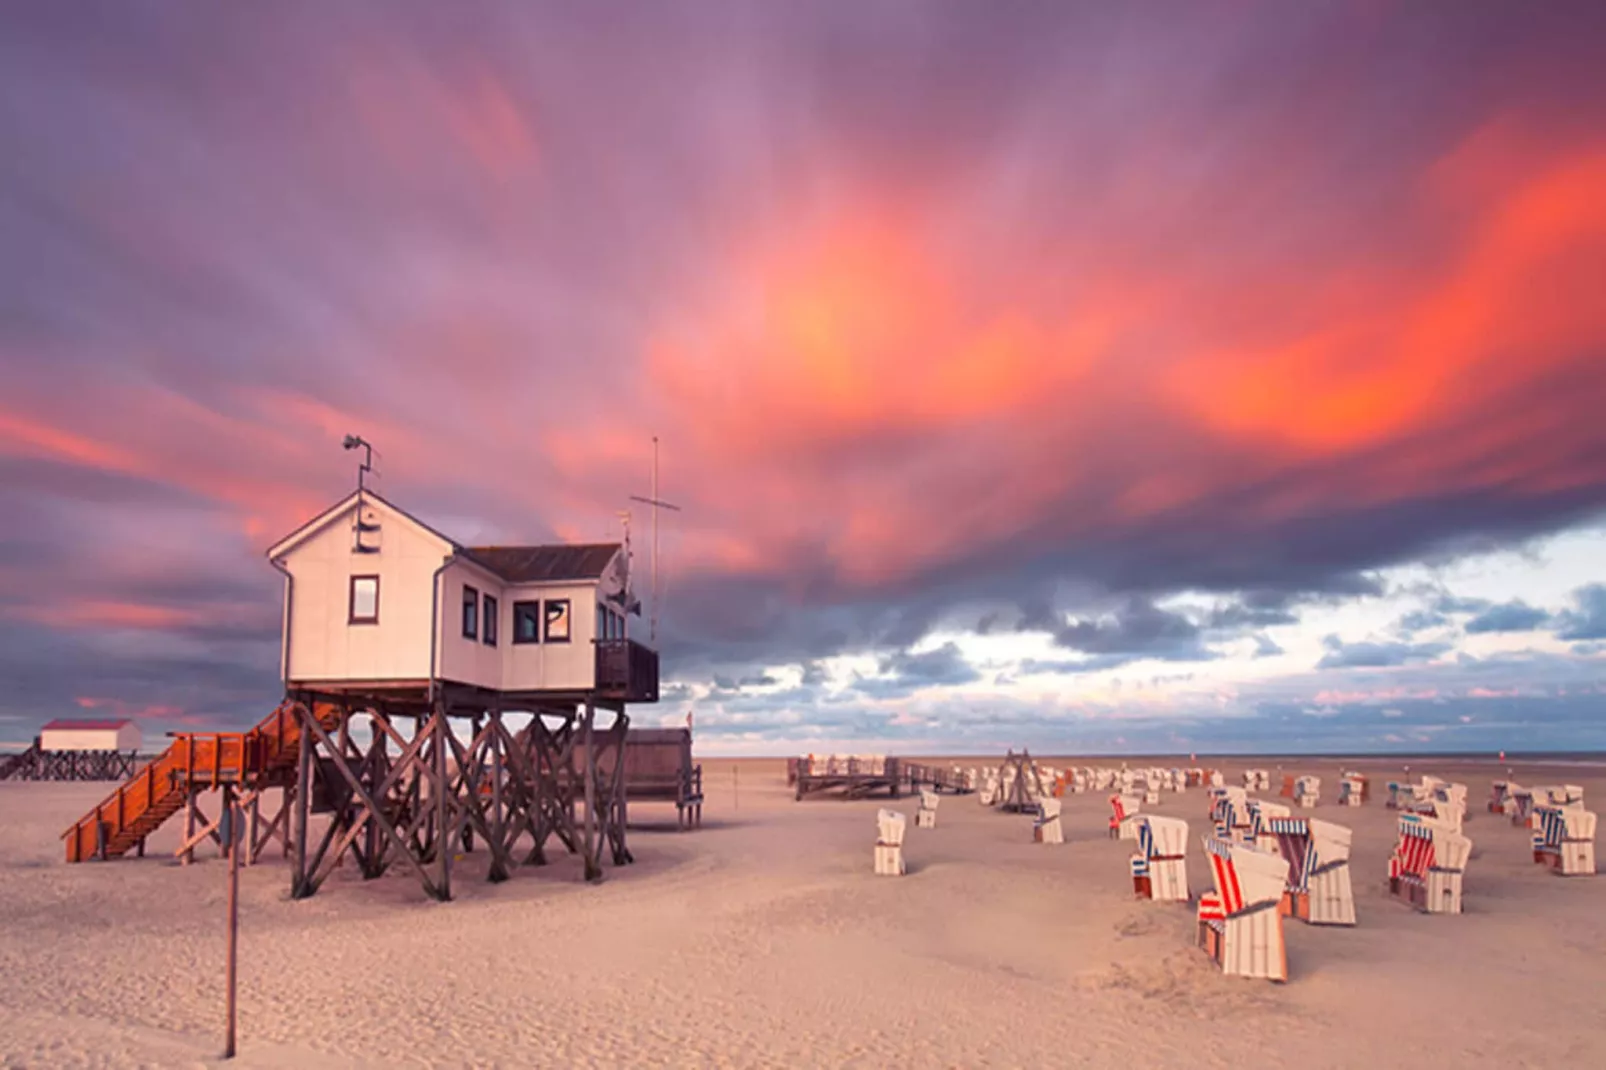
1342	655
1587	618
1515	616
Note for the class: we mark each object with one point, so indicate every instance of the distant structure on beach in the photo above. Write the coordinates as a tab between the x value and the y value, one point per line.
77	750
396	628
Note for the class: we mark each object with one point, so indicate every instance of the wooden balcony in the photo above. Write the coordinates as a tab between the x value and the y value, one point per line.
626	671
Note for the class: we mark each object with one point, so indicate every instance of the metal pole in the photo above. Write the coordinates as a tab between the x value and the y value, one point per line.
233	826
652	631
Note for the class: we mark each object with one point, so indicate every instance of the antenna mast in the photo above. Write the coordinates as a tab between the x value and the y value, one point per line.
351	443
657	504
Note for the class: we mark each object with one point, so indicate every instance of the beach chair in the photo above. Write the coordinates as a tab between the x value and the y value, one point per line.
1498	793
1565	839
1351	790
926	816
1122	807
1230	815
1287	791
1215	779
1046	825
890	826
1159	869
1522	805
1259	834
1307	789
1317	852
1240	925
1427	864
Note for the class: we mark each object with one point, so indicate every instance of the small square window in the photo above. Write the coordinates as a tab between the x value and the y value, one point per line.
557	620
364	600
490	621
471	612
526	622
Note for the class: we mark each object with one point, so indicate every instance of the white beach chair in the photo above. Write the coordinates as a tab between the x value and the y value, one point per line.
1046	826
1428	863
1351	790
1317	853
1307	790
1159	869
890	826
926	816
1565	839
1240	925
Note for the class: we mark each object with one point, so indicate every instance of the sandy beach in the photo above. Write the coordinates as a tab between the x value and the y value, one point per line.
763	939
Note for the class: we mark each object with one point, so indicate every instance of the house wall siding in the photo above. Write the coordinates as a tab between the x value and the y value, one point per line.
124	738
324	645
470	661
548	666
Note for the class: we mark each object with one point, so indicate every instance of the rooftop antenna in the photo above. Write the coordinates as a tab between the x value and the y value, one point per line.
630	571
351	443
657	504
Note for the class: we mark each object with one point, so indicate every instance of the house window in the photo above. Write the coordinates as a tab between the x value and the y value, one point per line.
557	620
471	612
526	622
490	621
364	600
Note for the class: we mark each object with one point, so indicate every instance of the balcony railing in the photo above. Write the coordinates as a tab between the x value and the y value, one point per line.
627	671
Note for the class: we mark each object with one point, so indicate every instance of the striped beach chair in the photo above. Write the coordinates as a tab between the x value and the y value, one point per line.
1229	814
1427	864
1317	852
1123	807
1240	926
1523	801
1259	834
1565	839
1159	869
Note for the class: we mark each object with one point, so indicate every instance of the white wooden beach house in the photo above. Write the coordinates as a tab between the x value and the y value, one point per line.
375	597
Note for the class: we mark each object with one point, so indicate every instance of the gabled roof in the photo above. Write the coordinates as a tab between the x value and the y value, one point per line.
545	564
513	564
323	519
85	726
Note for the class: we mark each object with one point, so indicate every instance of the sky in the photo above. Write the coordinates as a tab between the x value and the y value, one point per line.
1209	376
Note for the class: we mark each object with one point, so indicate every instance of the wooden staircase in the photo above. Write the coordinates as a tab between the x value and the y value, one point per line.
264	756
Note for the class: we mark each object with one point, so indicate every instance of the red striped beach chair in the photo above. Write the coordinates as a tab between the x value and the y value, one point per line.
1240	926
1159	869
1123	807
1427	864
1565	839
1317	852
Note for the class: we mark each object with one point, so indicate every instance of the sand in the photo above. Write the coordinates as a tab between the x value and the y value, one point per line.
764	939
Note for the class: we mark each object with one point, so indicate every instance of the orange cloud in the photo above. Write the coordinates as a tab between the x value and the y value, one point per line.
1521	294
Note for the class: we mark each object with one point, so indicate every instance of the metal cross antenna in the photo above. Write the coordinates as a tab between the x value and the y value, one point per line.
652	628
